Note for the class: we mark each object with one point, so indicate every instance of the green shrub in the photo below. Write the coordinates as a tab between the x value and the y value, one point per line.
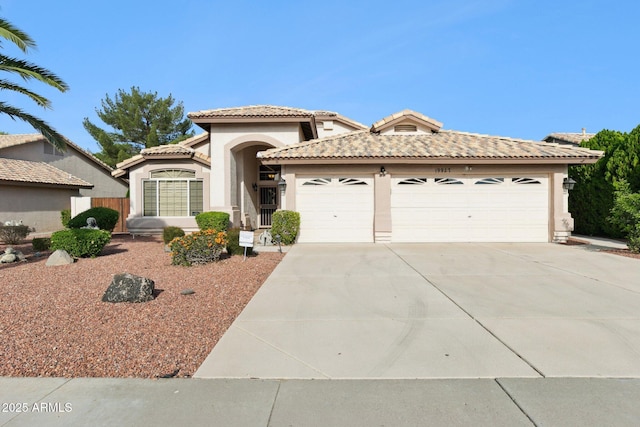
233	243
41	244
80	243
169	233
218	221
200	247
65	217
625	214
13	234
106	218
286	224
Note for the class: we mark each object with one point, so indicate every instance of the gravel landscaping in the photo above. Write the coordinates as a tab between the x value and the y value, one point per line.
54	324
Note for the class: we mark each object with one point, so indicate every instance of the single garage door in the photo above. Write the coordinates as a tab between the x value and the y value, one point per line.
335	209
470	209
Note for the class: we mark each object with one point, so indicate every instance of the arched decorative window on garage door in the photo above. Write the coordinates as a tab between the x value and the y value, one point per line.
525	181
172	192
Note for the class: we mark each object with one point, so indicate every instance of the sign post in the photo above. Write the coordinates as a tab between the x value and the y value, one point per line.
246	241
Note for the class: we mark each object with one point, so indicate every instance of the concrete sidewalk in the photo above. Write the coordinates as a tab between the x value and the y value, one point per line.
352	403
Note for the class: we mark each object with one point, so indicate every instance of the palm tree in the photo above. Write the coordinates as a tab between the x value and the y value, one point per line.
28	71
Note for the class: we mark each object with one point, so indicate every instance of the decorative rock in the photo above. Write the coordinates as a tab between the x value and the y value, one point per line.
7	258
127	287
187	292
9	250
59	257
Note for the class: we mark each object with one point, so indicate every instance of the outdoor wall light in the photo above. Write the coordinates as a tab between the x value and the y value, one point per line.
568	184
282	185
383	171
254	186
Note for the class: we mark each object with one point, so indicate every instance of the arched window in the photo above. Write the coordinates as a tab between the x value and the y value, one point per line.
172	192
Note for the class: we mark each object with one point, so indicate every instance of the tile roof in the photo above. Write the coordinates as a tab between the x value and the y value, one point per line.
571	137
443	145
254	111
7	141
24	171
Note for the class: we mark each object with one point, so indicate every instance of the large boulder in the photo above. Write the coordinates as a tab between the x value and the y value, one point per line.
127	287
59	257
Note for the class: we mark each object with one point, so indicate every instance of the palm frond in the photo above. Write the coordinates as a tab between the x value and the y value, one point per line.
38	99
41	126
28	71
15	36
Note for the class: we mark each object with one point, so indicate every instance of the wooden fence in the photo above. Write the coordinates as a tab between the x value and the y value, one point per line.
120	204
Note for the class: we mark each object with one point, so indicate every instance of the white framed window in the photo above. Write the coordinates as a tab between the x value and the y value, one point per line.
172	192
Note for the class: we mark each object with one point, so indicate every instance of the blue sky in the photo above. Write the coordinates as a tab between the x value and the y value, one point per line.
519	68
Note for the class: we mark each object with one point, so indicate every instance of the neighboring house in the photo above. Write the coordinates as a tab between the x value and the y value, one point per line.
404	179
37	181
569	138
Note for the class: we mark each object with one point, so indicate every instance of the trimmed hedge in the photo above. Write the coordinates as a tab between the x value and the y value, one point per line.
218	221
169	233
80	243
233	243
106	218
41	244
286	224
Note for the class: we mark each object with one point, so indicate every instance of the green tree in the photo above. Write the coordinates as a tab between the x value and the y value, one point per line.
138	120
593	197
27	71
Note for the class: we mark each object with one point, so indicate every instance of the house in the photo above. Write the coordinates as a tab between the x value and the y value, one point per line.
37	181
404	179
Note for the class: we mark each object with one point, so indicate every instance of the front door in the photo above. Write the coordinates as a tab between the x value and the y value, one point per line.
268	203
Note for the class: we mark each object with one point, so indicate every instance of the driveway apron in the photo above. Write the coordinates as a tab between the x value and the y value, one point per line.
401	311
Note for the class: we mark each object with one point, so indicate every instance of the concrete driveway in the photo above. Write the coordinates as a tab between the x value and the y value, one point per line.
401	311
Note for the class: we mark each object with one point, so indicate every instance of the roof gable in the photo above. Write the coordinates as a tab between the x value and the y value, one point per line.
406	117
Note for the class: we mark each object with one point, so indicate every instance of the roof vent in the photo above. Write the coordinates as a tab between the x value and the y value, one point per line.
405	128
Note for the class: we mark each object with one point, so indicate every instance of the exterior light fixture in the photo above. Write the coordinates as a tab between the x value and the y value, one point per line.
282	185
383	171
568	184
254	186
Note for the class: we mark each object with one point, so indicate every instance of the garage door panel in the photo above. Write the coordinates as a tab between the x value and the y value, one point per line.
475	209
335	209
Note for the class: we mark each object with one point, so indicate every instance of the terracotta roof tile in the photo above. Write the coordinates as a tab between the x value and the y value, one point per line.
253	111
440	145
24	171
571	137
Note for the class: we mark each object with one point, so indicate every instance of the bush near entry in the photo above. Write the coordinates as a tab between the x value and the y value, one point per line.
213	221
80	243
286	224
200	247
106	218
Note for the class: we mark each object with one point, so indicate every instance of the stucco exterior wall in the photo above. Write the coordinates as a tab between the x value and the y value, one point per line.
332	128
37	207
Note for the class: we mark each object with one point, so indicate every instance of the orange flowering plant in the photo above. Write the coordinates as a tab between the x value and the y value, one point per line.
200	247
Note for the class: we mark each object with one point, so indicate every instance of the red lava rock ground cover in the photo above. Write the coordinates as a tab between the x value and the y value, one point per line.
54	324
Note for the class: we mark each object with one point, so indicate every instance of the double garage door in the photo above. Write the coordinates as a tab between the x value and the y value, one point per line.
426	209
